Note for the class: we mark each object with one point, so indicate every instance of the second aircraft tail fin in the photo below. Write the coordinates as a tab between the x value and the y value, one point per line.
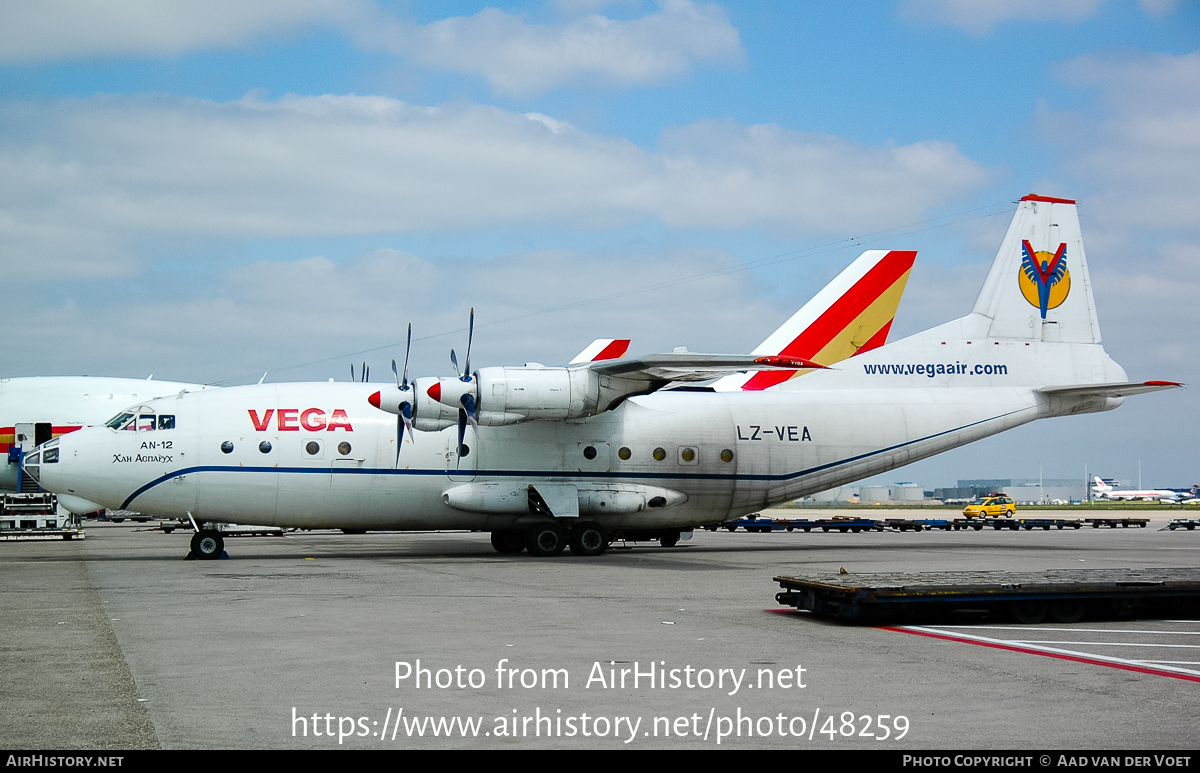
851	314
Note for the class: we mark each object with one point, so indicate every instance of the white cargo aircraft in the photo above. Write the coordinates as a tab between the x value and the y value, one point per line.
853	313
548	457
1104	491
36	409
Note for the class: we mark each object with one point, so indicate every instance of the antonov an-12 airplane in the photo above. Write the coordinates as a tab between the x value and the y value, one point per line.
548	457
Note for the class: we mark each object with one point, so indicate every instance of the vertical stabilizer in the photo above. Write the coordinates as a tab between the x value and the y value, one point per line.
850	315
1039	288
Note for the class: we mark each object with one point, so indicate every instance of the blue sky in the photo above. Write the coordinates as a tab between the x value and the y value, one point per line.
210	191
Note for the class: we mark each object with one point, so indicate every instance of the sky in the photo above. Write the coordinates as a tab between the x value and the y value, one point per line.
212	191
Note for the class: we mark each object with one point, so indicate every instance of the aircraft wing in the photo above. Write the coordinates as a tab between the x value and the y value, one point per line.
1109	390
690	367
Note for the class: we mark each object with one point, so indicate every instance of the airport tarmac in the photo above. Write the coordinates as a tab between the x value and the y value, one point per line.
117	642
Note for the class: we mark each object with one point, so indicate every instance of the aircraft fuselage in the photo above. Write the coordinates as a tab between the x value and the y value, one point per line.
292	464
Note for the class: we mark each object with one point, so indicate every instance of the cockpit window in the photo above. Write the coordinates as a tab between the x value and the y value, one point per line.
119	421
141	419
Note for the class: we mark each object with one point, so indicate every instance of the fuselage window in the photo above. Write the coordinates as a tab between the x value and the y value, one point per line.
166	422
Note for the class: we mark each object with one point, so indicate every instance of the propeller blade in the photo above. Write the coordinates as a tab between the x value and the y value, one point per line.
404	419
470	337
352	378
454	361
468	403
406	413
406	352
462	431
396	373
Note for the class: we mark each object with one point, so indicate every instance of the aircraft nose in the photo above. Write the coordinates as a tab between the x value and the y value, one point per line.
52	465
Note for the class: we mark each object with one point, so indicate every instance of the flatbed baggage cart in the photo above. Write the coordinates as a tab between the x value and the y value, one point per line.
1039	523
1064	596
847	523
1113	523
918	524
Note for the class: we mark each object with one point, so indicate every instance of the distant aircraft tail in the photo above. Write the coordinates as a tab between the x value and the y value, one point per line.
602	349
1038	287
1101	485
850	315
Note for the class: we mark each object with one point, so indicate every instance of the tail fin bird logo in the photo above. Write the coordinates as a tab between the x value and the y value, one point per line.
1044	279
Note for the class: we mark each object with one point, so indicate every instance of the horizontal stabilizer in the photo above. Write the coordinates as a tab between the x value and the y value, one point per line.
1109	390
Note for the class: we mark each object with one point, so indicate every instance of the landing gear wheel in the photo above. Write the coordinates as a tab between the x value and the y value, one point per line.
545	539
669	540
1029	612
207	544
1067	610
588	539
509	541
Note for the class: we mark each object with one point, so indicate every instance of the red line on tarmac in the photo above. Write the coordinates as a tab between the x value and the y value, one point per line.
1043	653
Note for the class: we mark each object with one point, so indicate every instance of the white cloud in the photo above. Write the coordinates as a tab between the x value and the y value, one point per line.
515	56
48	30
272	314
132	167
978	17
1158	8
524	59
727	175
1149	313
1140	149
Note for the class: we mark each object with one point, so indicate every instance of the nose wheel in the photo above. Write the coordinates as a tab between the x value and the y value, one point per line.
207	544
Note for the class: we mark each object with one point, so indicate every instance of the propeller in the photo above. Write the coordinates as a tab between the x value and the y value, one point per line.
366	373
405	417
468	408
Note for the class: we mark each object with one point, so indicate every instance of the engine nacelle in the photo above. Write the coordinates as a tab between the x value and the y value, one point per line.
504	395
538	393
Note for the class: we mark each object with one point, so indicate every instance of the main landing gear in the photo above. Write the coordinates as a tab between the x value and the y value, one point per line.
207	544
549	538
